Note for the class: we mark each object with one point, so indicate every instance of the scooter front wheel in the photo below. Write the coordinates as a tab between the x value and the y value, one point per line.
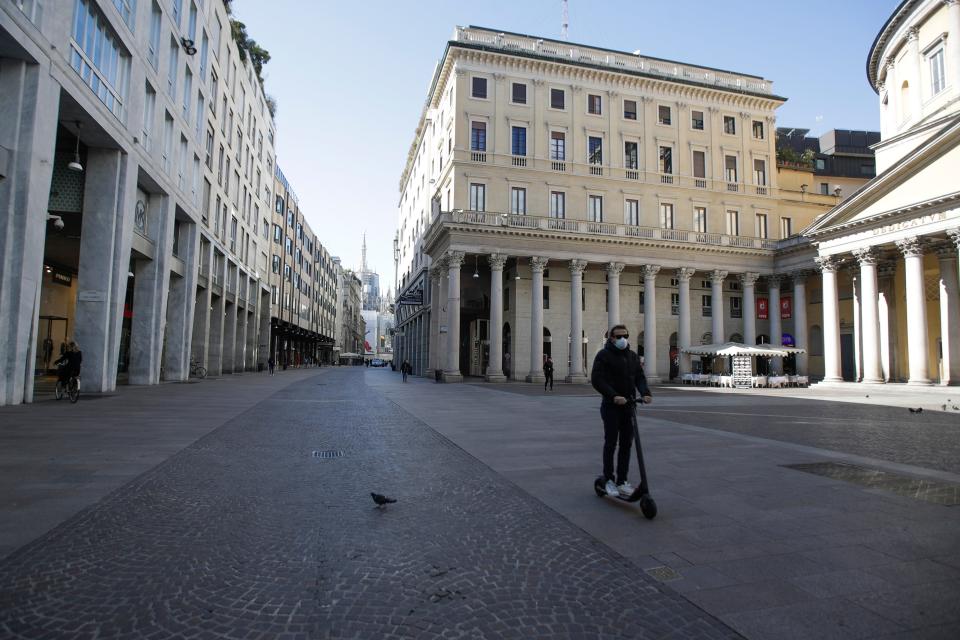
599	486
648	507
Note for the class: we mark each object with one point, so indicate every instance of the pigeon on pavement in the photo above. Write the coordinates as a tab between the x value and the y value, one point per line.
381	500
917	410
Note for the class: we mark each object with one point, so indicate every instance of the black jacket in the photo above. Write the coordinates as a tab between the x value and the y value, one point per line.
548	367
617	373
406	367
71	361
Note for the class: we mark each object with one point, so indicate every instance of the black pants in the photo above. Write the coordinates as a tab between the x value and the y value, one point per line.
548	380
617	427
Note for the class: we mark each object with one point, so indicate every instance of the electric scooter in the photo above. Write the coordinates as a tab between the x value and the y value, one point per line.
642	493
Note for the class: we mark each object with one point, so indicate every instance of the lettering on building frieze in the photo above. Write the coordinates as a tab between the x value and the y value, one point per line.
909	224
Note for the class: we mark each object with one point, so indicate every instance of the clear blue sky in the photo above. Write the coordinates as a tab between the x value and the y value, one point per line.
351	78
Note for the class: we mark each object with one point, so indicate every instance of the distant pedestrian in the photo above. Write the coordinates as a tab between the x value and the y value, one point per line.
506	364
406	369
548	373
271	364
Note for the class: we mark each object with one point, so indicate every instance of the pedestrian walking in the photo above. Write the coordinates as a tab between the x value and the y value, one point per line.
506	364
548	373
271	364
618	374
406	369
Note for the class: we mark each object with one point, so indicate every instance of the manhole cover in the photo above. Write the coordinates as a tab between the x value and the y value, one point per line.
331	453
663	574
931	491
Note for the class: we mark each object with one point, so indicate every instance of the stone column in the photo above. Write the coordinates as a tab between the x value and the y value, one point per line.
576	322
683	330
495	367
776	324
887	313
218	312
869	315
831	319
537	265
613	293
650	272
953	39
857	326
800	319
436	275
230	319
912	249
716	313
30	104
180	308
200	337
949	315
452	371
442	302
749	307
109	196
915	62
264	351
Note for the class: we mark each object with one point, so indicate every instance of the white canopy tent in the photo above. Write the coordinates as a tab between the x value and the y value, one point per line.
739	349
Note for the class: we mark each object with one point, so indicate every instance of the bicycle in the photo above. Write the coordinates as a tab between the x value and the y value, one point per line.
71	389
196	369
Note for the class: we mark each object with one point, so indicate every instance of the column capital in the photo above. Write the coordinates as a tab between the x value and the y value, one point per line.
954	234
650	271
685	273
538	264
749	278
717	276
577	267
681	106
867	255
911	247
614	268
454	259
947	251
460	72
890	62
774	279
887	269
800	275
497	260
827	263
913	33
537	82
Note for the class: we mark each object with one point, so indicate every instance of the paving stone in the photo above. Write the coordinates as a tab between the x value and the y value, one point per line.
821	619
837	583
922	606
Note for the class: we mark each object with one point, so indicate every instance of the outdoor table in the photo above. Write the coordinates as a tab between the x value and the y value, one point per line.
726	381
758	381
777	382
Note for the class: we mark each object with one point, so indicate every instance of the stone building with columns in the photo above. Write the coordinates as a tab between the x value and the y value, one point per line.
136	176
893	244
553	189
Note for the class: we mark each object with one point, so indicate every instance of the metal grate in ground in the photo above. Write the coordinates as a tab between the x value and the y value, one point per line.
932	491
330	453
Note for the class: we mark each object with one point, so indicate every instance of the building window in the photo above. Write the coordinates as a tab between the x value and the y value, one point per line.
758	129
733	223
518	200
666	160
594	105
519	93
96	54
640	299
479	87
820	164
760	172
761	225
700	219
546	297
663	114
172	63
730	168
786	227
558	204
736	310
824	189
595	208
478	136
149	107
557	99
666	215
674	304
700	168
730	125
632	213
631	155
518	141
630	109
595	150
153	47
937	81
696	120
478	197
867	169
706	303
276	264
558	145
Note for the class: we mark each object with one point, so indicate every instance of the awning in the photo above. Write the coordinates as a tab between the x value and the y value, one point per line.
739	349
780	348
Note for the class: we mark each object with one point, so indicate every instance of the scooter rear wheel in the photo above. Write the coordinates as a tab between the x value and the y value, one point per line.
599	488
648	507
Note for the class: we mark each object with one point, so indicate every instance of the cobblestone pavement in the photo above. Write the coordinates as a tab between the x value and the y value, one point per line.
247	534
930	439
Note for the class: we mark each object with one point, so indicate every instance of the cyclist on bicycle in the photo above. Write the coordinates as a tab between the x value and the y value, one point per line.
68	365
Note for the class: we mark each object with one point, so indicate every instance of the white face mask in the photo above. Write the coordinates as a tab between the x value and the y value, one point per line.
621	343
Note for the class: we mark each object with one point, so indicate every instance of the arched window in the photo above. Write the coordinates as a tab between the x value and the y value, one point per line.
816	340
707	338
904	101
736	337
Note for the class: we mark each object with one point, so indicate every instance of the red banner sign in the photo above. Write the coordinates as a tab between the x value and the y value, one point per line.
786	308
762	308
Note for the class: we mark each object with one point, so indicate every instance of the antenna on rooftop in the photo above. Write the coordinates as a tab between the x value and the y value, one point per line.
564	20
